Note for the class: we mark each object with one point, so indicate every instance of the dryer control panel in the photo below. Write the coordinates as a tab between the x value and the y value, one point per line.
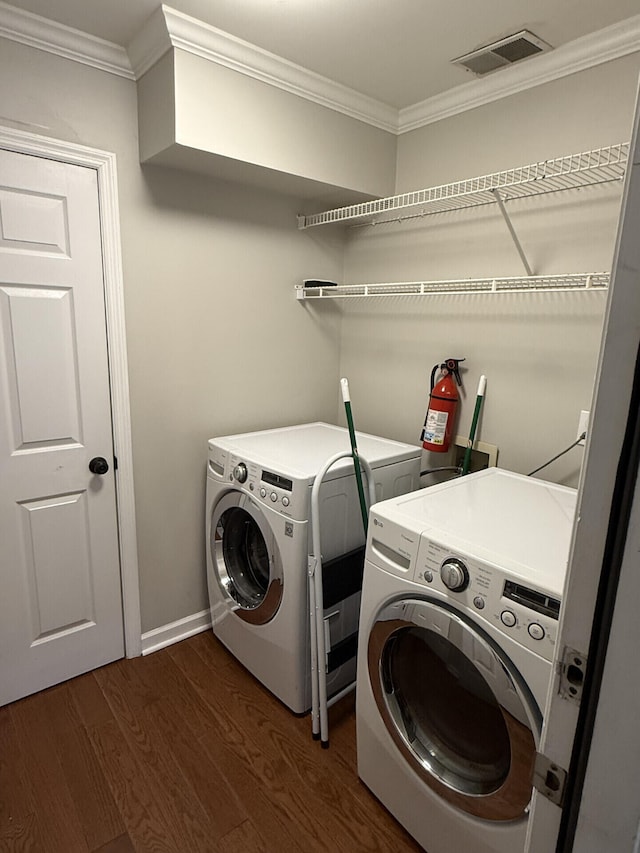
529	615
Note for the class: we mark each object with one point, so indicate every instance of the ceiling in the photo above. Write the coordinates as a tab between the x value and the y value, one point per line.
396	52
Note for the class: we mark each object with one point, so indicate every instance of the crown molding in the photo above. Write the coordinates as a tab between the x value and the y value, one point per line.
150	43
44	34
168	28
604	45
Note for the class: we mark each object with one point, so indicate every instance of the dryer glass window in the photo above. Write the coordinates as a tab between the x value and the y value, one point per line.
245	557
446	711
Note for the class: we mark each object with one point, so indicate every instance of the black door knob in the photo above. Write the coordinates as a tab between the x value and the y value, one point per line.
98	465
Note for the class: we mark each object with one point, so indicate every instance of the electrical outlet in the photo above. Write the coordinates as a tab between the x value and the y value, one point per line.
483	455
583	424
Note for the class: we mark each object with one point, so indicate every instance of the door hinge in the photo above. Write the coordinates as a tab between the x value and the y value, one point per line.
549	779
115	463
572	671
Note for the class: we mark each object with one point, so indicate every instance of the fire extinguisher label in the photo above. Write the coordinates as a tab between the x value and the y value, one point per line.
435	427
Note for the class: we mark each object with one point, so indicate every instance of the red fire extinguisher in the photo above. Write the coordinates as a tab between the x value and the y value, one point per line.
443	401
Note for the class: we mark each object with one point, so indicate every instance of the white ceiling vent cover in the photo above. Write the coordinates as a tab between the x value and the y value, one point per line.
501	53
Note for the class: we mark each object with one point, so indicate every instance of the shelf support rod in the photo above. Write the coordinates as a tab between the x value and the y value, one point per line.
514	236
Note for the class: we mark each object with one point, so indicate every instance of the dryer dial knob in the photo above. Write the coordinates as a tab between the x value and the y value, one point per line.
240	472
454	574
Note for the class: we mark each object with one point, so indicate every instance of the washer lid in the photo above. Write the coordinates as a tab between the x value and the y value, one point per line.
302	450
516	522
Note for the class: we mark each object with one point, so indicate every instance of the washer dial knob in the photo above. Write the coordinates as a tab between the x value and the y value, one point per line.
240	472
454	574
536	631
508	618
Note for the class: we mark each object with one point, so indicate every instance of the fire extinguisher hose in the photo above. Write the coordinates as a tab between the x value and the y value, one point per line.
344	384
474	423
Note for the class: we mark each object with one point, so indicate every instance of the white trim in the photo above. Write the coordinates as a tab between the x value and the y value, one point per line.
104	163
168	28
604	45
149	44
67	42
167	635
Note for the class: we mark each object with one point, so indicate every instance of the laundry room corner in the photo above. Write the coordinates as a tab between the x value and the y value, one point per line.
319	426
537	350
225	346
216	340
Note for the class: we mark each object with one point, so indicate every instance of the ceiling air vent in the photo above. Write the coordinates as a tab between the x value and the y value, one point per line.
501	53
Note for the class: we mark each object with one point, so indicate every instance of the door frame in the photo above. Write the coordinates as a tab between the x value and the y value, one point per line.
104	164
597	565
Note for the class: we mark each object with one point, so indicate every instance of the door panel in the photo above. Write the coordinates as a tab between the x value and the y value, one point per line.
58	545
39	335
33	222
61	611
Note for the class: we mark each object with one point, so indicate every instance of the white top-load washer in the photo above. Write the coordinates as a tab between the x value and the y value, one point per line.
460	604
258	538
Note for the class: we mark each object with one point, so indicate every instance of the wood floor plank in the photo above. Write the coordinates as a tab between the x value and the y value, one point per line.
122	844
335	796
91	705
22	835
182	751
260	785
199	675
143	816
99	817
191	824
43	775
135	676
171	681
275	829
243	839
290	793
205	783
15	802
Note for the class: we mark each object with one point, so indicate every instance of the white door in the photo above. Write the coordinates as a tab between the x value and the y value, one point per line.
61	604
602	806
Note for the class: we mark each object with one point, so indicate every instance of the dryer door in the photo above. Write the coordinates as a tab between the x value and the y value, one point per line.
246	558
455	706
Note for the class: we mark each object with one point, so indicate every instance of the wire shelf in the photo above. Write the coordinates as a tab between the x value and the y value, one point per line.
598	166
515	284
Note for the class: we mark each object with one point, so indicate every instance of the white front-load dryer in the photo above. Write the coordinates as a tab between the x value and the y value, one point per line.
258	538
460	603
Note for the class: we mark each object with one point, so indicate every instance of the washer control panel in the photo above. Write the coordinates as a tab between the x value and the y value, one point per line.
240	472
528	615
454	574
267	487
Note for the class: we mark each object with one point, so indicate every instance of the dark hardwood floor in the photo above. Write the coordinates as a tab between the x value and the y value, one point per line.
181	751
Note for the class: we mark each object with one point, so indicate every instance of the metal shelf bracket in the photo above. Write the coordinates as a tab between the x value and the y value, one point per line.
512	232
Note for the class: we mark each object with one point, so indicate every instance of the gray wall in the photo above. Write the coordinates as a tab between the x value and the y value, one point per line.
538	351
216	340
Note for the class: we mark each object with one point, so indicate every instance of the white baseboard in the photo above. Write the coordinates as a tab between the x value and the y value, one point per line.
166	635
